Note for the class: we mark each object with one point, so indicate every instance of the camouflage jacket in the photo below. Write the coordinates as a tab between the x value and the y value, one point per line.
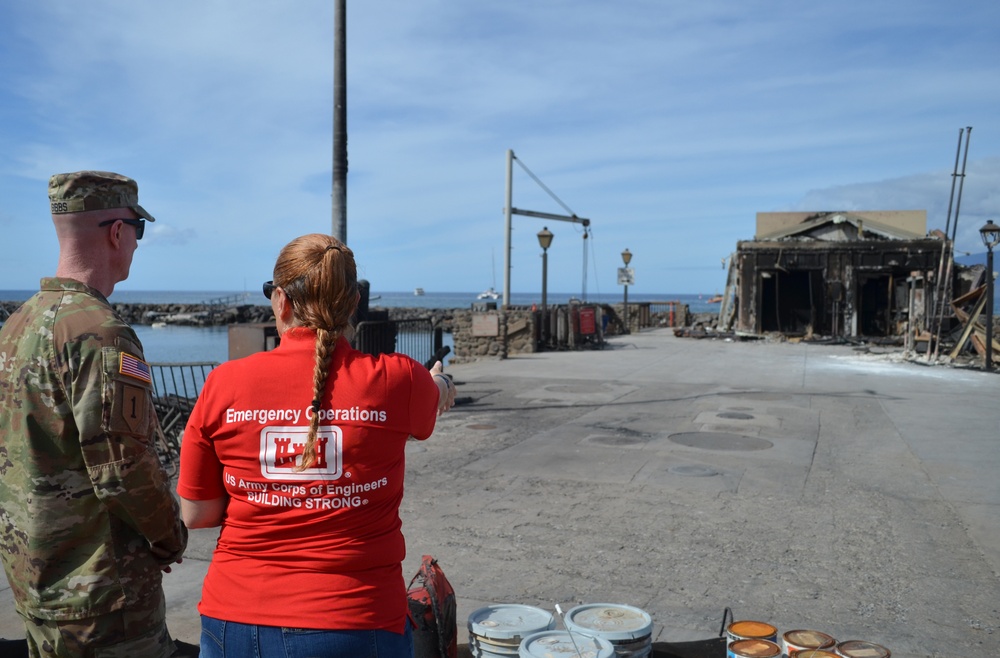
84	502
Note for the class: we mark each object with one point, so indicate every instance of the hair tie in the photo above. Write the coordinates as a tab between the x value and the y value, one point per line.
332	246
316	405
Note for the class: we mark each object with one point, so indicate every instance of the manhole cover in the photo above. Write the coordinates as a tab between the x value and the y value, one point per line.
735	415
614	440
693	471
720	441
482	426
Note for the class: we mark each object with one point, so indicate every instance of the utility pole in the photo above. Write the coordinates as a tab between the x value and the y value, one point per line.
340	121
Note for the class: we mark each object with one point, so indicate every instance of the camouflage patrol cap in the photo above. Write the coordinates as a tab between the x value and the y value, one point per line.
81	191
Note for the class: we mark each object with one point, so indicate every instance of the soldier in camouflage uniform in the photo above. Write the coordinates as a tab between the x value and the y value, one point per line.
87	517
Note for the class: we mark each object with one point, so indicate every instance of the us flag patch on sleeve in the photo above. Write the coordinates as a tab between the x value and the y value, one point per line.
134	367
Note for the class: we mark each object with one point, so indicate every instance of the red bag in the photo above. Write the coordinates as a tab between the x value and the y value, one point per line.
433	612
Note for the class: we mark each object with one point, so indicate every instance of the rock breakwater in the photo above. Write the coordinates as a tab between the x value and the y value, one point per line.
214	315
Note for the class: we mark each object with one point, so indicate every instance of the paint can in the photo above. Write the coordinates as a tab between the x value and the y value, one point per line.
813	653
753	648
628	629
750	630
547	644
803	639
496	631
862	649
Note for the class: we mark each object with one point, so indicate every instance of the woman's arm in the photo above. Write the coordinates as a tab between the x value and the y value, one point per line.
204	513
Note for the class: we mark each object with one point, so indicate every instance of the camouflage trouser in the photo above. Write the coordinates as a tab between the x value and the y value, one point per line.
121	634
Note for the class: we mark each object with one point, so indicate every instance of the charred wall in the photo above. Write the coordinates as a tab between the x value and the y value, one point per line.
857	288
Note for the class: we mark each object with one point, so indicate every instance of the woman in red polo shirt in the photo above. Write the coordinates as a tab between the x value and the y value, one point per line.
298	453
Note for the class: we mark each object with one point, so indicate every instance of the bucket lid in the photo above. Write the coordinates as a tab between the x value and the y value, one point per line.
558	643
612	621
752	629
862	649
508	621
806	639
754	649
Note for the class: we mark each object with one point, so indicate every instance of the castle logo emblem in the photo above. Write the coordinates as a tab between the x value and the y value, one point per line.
281	451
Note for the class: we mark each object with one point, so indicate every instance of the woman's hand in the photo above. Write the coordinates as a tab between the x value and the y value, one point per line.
446	388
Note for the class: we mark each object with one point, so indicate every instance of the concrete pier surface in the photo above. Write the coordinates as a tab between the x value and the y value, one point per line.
809	486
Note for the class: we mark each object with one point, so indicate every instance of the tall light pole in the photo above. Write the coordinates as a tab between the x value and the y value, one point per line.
339	219
991	237
545	241
626	258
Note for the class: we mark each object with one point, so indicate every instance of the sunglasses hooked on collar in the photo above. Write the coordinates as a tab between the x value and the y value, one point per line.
139	224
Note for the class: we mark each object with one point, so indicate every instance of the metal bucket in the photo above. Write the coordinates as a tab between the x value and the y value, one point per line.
547	644
862	649
804	639
628	629
750	630
753	649
496	631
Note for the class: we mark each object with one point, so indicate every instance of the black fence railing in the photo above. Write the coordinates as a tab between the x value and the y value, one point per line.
176	387
416	338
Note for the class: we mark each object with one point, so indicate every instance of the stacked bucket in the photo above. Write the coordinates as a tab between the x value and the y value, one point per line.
628	629
601	630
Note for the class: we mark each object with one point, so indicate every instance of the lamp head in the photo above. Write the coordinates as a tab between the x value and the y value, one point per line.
626	256
990	234
545	238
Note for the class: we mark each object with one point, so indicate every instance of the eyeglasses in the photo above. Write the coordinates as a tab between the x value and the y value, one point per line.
269	287
139	224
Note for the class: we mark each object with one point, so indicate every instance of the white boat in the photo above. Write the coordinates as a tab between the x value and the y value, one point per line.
491	293
419	292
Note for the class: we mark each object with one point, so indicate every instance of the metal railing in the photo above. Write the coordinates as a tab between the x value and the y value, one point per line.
416	338
176	387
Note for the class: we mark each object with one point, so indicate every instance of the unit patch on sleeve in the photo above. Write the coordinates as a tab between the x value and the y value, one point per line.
134	367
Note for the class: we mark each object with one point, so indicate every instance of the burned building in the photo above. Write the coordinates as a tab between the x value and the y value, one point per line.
839	274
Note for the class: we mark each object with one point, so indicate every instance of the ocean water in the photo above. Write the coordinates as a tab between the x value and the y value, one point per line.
178	344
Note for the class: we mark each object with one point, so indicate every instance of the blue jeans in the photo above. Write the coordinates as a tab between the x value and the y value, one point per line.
230	639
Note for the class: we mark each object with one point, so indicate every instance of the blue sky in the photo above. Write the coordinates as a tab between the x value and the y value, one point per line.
668	124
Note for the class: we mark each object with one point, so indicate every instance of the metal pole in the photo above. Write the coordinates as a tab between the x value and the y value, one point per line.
507	215
340	121
938	305
949	244
954	177
545	299
628	330
988	363
961	183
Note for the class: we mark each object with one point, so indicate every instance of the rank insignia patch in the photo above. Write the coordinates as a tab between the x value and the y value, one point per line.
134	367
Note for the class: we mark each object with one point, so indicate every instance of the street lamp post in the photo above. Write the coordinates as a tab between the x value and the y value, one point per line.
545	241
991	237
626	258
